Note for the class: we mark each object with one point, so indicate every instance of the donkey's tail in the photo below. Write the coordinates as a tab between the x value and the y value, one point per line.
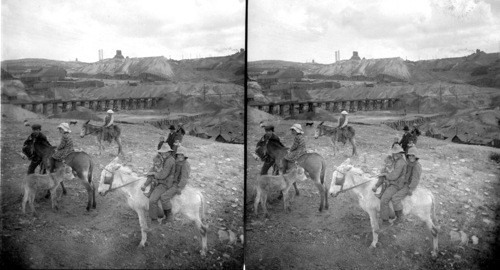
434	219
91	169
323	171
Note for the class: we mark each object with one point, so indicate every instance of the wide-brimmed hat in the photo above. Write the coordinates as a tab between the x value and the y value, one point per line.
64	127
171	127
413	151
181	150
165	148
406	128
110	111
298	128
396	149
344	112
269	128
36	126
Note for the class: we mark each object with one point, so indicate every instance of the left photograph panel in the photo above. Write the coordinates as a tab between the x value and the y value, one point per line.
122	134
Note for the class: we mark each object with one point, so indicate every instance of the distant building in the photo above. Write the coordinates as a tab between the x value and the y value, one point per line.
355	56
118	55
46	74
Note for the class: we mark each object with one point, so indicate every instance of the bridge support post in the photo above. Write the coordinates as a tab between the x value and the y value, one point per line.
282	109
33	107
310	107
64	106
271	109
292	111
44	108
73	105
327	106
301	108
54	107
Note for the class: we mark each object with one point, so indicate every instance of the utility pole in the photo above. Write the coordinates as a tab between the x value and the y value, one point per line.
220	102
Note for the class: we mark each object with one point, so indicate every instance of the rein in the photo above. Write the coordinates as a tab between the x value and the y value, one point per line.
342	190
118	187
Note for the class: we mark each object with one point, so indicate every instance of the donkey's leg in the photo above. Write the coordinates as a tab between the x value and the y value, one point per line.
375	228
285	198
25	199
326	195
53	198
63	189
99	144
264	203
353	143
257	200
296	189
83	176
425	215
144	225
118	141
31	200
202	229
321	192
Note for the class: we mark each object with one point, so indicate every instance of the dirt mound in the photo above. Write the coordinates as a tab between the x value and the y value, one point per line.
17	113
81	113
255	116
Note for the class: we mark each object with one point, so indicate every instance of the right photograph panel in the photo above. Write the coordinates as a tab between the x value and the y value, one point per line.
371	134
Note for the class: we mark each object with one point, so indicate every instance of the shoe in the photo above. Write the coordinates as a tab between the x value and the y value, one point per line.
399	217
385	223
169	217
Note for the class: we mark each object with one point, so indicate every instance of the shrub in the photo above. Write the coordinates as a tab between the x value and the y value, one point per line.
495	157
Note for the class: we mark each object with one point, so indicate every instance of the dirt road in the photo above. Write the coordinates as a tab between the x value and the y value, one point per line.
462	178
107	237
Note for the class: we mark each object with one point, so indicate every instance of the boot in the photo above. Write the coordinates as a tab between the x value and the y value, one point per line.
385	223
399	217
169	217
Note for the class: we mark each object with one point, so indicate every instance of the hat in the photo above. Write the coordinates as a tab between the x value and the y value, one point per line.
298	128
171	127
396	149
165	148
415	125
36	126
406	128
110	111
344	112
64	127
181	150
269	128
413	151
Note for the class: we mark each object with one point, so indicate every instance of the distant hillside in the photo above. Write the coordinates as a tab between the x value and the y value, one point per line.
216	69
480	68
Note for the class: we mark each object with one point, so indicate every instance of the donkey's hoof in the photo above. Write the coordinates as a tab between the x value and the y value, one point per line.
203	253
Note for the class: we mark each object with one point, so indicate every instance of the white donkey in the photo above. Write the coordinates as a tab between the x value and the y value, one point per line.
191	203
421	203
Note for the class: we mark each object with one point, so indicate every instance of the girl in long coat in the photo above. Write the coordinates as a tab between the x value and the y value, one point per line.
65	146
298	148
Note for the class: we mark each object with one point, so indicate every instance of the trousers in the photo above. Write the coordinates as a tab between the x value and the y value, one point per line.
160	193
394	194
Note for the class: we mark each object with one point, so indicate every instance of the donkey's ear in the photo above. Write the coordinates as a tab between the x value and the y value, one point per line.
87	121
320	124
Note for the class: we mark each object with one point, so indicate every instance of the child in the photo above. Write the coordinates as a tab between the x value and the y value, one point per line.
157	166
388	167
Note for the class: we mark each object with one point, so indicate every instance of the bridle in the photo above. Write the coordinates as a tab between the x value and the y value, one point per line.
109	181
342	190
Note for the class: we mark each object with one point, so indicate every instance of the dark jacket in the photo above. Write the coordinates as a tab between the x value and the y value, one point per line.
29	143
405	140
412	177
166	175
182	171
398	176
414	134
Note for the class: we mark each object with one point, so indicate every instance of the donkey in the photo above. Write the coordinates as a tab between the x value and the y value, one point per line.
421	203
334	134
191	202
98	131
50	181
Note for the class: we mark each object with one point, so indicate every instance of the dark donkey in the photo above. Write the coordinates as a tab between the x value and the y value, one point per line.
313	163
98	131
80	162
334	134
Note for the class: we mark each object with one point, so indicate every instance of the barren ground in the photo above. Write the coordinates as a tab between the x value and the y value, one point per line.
107	237
462	178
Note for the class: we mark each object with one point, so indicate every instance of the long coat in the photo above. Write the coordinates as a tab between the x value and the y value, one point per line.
182	171
65	147
398	176
166	175
298	148
412	177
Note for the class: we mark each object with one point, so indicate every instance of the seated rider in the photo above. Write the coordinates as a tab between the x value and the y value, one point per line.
157	166
298	148
388	168
163	190
395	191
342	126
36	137
108	125
405	140
65	146
182	170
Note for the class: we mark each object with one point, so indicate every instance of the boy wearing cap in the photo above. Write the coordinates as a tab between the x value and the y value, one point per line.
415	133
36	136
396	181
413	171
165	178
64	148
182	170
108	125
298	148
405	140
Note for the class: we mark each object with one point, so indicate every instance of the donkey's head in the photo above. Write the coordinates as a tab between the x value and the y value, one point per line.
83	130
319	130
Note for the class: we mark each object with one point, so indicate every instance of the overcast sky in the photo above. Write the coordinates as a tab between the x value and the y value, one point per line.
298	30
70	29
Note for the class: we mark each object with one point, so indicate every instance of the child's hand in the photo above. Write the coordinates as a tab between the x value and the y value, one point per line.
374	189
143	188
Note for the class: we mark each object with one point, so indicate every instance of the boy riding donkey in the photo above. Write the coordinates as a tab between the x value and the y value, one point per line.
35	137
